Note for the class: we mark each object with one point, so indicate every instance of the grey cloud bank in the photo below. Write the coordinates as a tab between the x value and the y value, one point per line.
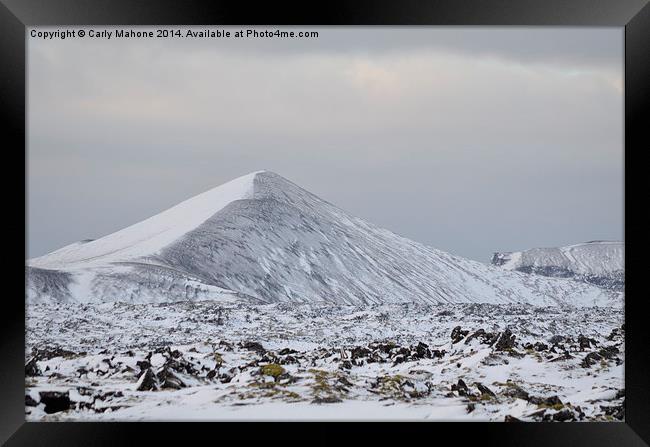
471	140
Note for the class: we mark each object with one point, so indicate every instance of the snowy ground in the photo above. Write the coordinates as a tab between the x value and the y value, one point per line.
224	361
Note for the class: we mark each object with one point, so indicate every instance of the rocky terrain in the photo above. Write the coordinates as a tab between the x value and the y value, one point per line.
233	360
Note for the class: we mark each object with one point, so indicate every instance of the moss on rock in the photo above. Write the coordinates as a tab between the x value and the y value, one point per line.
272	369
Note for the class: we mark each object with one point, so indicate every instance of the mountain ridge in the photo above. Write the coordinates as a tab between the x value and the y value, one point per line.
595	262
262	237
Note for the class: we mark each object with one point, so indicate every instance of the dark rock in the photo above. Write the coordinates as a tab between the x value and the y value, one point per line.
616	411
227	376
345	364
422	351
470	407
564	415
287	351
168	379
460	388
485	338
254	346
147	381
509	418
143	365
253	364
375	357
269	357
506	341
514	390
288	360
180	365
109	395
585	342
484	390
457	334
539	346
616	332
359	352
31	368
29	401
438	353
538	414
345	381
404	352
381	347
398	359
476	334
608	352
55	401
553	400
108	362
590	359
172	382
326	400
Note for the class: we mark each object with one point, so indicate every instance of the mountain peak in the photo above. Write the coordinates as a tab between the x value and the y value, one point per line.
151	235
265	238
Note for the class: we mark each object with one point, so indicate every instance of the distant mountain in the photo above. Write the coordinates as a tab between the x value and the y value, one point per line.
596	262
264	239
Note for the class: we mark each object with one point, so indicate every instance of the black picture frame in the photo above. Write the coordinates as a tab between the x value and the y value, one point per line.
16	15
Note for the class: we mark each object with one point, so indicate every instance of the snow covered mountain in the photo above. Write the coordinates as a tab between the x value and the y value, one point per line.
264	239
596	262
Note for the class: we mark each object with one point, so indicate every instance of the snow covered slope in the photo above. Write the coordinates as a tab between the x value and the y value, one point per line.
262	238
595	262
150	235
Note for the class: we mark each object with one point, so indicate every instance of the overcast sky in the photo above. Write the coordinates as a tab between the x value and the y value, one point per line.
471	140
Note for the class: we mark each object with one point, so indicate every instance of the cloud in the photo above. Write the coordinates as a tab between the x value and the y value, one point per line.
498	139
